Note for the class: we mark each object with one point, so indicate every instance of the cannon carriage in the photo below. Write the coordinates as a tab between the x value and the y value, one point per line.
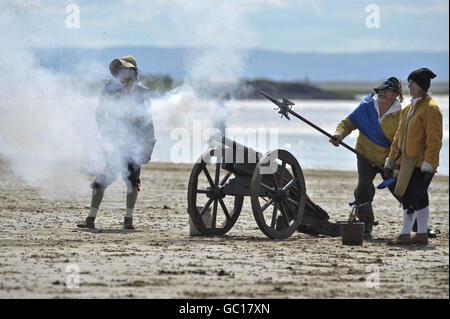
273	181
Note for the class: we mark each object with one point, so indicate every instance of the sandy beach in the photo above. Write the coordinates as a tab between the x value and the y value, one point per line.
40	245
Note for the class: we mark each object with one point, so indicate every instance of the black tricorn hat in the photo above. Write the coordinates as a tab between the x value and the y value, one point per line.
392	83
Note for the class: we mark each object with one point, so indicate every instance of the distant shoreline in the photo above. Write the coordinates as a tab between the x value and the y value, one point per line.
246	88
358	88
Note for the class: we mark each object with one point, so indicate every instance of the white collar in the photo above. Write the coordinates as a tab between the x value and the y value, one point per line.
415	100
395	107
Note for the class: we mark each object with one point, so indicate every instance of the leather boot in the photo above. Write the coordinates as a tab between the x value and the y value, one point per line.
88	223
420	239
128	223
368	226
365	214
431	233
402	239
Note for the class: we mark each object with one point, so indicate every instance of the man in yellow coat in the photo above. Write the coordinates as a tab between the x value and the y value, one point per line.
422	137
377	119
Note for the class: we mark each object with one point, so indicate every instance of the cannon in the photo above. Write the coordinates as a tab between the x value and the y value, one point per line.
228	171
273	181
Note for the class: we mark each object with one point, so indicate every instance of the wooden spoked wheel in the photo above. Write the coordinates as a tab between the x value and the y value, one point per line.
278	194
211	210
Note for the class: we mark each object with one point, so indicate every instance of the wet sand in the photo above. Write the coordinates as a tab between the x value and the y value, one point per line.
40	243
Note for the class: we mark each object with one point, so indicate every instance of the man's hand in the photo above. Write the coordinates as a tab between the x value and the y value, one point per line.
336	139
389	166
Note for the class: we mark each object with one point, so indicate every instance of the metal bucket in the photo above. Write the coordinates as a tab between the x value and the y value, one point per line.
352	233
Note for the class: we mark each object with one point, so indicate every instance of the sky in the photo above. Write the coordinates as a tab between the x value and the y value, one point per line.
326	26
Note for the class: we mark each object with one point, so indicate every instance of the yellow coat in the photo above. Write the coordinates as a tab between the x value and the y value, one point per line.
425	127
364	145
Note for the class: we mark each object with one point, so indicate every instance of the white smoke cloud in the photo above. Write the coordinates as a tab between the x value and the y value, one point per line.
181	106
47	119
46	125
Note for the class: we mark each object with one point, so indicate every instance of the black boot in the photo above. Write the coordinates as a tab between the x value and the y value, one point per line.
368	226
128	223
88	223
365	214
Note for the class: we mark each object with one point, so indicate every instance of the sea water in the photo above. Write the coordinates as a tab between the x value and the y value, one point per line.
249	118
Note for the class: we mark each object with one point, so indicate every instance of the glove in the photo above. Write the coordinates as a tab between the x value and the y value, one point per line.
389	166
336	139
428	171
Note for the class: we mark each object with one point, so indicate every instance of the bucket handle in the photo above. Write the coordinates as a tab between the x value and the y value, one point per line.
353	214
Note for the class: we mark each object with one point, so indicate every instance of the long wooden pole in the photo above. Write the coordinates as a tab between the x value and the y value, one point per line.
285	108
332	137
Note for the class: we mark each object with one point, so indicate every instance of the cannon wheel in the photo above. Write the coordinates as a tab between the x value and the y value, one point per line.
205	189
278	198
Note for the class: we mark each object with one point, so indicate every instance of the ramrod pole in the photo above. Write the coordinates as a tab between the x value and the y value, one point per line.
285	107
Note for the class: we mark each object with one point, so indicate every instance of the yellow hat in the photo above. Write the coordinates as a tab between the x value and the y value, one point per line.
127	62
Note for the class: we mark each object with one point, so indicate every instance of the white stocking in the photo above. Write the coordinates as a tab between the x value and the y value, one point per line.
408	222
93	212
129	213
422	219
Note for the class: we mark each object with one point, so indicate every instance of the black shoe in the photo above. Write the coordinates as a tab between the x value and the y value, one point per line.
88	223
367	235
128	223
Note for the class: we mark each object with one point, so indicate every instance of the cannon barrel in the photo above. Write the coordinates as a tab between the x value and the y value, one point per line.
235	157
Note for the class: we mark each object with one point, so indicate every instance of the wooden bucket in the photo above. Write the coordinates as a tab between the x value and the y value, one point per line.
352	233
